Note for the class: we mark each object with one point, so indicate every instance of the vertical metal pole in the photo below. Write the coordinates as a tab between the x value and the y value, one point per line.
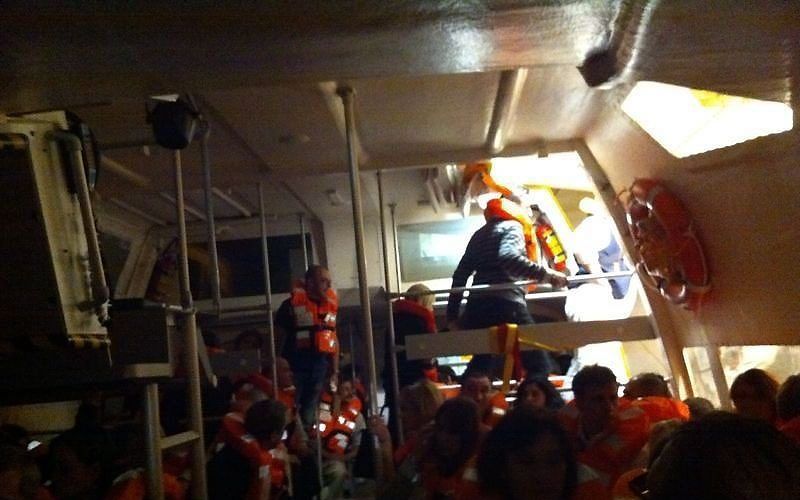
396	244
212	232
268	288
718	374
303	240
346	95
395	388
198	485
152	442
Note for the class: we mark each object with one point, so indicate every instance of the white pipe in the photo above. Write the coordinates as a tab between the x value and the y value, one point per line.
230	200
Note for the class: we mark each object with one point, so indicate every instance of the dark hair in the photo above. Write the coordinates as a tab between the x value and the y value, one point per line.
90	447
552	399
521	428
14	435
265	418
650	384
312	270
457	416
249	334
698	407
762	382
789	398
474	373
724	455
592	376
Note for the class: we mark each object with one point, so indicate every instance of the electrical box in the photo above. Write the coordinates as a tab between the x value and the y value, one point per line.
46	298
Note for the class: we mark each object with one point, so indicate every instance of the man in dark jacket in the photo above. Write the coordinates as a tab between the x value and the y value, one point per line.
497	254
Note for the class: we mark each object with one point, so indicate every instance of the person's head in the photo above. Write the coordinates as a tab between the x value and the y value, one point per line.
14	435
248	339
527	455
477	386
753	394
789	398
421	295
419	403
211	339
80	459
248	391
595	388
19	475
265	421
456	433
698	407
347	386
538	392
723	455
285	375
647	384
317	282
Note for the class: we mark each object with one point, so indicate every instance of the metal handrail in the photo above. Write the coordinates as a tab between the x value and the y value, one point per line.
512	285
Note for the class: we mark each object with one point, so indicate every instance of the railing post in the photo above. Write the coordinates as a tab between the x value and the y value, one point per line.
346	94
390	319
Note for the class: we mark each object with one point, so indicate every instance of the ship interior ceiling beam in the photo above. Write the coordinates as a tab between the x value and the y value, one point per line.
137	211
231	200
509	92
194	211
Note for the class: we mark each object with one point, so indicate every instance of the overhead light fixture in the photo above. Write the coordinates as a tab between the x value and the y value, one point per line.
688	121
334	197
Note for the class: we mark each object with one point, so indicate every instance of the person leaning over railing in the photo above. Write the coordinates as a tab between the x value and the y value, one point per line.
498	253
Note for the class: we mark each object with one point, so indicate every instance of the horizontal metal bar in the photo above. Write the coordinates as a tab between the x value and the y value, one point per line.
147	370
562	335
181	310
181	439
580	278
528	297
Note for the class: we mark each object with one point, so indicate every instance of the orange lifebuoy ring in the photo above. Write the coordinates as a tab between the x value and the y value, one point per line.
670	253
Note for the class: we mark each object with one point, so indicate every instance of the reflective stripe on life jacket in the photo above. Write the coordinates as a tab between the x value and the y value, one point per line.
315	323
336	427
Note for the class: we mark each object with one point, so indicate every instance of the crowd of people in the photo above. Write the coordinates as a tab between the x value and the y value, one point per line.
302	434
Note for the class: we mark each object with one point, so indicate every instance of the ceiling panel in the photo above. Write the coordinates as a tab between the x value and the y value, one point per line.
289	128
411	117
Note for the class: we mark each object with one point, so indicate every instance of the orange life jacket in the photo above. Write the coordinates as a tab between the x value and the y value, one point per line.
131	486
461	485
498	406
622	489
232	433
590	486
503	209
336	427
315	323
610	453
660	408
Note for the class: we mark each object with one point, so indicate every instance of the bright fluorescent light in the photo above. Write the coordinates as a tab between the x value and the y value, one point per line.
689	121
557	170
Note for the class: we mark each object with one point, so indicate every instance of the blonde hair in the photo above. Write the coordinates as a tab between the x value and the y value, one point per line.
423	397
420	294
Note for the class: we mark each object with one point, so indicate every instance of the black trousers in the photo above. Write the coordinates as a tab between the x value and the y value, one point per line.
485	312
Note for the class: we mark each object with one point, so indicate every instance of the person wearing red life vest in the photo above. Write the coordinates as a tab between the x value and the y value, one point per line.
502	251
650	393
309	342
492	405
234	435
235	472
608	433
340	426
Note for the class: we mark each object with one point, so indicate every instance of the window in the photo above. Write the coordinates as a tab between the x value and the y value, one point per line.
690	121
432	250
241	266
